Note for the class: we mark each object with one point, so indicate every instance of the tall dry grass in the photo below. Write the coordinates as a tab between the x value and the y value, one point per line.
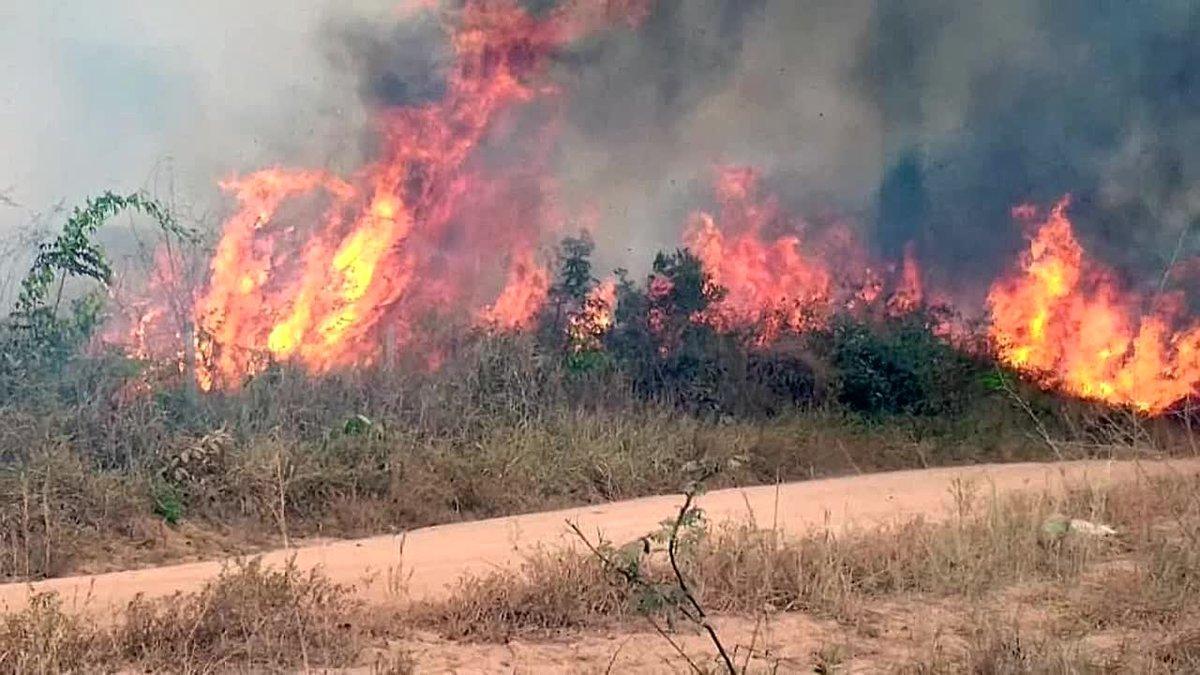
1138	590
249	619
89	472
1113	604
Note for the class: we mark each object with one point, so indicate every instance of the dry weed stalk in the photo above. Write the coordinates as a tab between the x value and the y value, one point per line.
683	599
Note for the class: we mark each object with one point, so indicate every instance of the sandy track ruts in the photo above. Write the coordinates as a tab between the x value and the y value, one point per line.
435	557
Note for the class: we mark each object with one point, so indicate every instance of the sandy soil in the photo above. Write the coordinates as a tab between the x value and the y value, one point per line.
888	634
788	640
423	563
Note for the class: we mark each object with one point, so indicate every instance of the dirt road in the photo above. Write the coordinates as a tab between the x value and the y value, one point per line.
433	558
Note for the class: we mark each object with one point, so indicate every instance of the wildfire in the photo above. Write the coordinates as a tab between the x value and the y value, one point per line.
1065	320
587	327
332	271
775	279
910	293
150	320
149	325
522	297
770	282
325	290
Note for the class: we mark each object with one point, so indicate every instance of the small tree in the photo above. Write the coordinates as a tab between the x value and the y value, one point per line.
900	366
572	284
41	331
575	278
658	338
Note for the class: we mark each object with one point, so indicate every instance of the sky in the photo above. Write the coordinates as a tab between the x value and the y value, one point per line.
952	110
164	96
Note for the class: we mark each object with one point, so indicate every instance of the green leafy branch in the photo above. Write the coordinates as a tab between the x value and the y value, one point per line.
75	253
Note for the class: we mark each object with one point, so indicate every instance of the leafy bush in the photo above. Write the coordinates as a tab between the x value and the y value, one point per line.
168	502
38	327
901	367
666	353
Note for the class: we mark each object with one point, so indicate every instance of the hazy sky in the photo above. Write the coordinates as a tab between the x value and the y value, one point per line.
992	103
126	94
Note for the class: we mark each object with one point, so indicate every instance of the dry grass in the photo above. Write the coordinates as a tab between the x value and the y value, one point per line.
60	514
1120	604
1004	650
1138	589
56	510
553	592
249	618
502	429
46	639
741	568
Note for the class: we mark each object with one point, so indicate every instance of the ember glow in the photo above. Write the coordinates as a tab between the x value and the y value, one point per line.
1066	321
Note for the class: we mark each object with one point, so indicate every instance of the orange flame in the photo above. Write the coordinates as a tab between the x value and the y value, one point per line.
910	294
588	326
1065	320
775	280
149	322
322	291
769	283
523	295
323	270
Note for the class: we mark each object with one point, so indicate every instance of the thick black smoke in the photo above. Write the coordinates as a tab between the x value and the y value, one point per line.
395	65
922	120
1097	98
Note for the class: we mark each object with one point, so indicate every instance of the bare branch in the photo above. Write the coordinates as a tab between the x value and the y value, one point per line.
672	547
1037	422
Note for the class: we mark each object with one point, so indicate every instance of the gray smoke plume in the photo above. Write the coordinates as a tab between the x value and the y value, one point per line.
165	96
926	120
989	105
921	120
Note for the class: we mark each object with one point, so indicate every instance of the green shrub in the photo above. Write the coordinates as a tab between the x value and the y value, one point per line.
168	502
901	367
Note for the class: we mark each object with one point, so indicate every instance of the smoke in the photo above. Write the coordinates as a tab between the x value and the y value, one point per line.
1020	101
169	97
925	121
920	120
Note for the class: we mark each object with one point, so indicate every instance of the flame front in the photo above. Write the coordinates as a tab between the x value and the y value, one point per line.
770	282
776	276
324	290
331	271
1065	320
